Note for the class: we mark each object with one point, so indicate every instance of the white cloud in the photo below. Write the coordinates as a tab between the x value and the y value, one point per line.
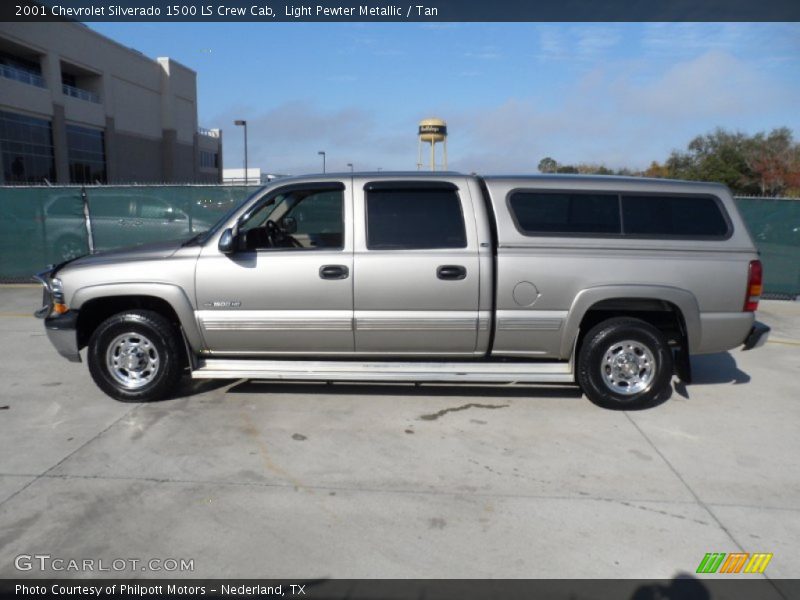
616	117
714	85
623	113
287	138
745	40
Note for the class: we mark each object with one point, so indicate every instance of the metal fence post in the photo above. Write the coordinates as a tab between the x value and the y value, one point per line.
88	219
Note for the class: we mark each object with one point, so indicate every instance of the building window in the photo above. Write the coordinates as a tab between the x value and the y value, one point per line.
87	155
209	160
27	147
21	69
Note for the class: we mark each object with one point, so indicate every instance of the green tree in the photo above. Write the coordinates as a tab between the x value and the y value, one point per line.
719	156
548	165
593	169
656	170
774	160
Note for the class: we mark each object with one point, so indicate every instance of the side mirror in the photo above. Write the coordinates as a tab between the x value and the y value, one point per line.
289	225
226	242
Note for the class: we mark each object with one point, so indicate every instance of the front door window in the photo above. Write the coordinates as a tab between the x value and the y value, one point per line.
300	219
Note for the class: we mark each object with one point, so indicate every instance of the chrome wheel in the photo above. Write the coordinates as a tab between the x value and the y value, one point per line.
132	360
628	367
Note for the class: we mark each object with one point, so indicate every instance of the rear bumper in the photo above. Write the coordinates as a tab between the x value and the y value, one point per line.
62	331
721	332
757	337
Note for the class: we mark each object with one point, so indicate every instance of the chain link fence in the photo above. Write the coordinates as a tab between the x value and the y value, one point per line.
45	225
774	224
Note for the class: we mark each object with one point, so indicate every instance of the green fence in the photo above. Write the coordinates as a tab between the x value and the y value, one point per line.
44	225
774	224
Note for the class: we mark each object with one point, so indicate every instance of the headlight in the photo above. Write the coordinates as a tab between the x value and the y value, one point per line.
57	290
56	287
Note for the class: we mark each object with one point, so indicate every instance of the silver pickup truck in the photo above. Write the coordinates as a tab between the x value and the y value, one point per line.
608	283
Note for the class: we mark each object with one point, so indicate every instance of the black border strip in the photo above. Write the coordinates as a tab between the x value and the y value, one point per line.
269	11
683	586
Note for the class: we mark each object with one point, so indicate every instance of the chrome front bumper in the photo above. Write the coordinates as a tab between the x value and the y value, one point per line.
47	294
62	330
757	337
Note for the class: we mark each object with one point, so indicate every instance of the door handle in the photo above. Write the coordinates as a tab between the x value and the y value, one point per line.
452	272
333	272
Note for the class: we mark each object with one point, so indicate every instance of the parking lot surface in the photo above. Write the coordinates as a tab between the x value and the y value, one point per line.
399	481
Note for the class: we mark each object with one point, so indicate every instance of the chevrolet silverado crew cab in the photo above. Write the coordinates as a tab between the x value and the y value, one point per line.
608	283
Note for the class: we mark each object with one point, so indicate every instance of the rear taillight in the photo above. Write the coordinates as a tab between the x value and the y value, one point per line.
754	286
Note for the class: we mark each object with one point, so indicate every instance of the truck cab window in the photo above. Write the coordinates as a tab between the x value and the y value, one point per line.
414	219
300	219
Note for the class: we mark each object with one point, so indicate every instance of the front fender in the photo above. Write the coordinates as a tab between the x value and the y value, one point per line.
174	295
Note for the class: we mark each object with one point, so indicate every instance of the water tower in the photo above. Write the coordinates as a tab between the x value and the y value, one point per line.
432	131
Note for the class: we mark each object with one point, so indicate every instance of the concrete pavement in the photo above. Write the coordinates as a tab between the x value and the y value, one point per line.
298	480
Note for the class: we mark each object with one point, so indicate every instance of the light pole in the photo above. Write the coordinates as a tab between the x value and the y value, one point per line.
322	154
351	166
243	123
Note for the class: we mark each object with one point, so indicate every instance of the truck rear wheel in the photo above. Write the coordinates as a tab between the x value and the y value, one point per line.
135	356
625	363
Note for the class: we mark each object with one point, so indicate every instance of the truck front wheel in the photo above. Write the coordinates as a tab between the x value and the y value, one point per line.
135	356
625	363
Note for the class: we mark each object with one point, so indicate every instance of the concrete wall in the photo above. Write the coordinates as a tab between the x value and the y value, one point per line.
185	169
138	108
136	159
24	98
151	104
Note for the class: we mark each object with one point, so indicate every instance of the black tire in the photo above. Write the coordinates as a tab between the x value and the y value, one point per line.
629	376
159	362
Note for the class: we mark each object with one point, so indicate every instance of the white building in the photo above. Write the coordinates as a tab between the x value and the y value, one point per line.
77	107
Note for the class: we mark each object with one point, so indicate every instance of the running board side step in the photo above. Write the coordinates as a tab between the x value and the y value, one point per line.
298	370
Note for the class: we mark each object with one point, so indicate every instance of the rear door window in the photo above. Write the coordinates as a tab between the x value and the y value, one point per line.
414	218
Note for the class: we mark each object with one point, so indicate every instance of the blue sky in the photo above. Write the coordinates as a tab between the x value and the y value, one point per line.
619	94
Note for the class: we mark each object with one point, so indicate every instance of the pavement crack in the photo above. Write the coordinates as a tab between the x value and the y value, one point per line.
70	455
282	484
444	411
697	498
655	510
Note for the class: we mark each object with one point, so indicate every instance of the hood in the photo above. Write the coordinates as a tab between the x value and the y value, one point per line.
154	251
